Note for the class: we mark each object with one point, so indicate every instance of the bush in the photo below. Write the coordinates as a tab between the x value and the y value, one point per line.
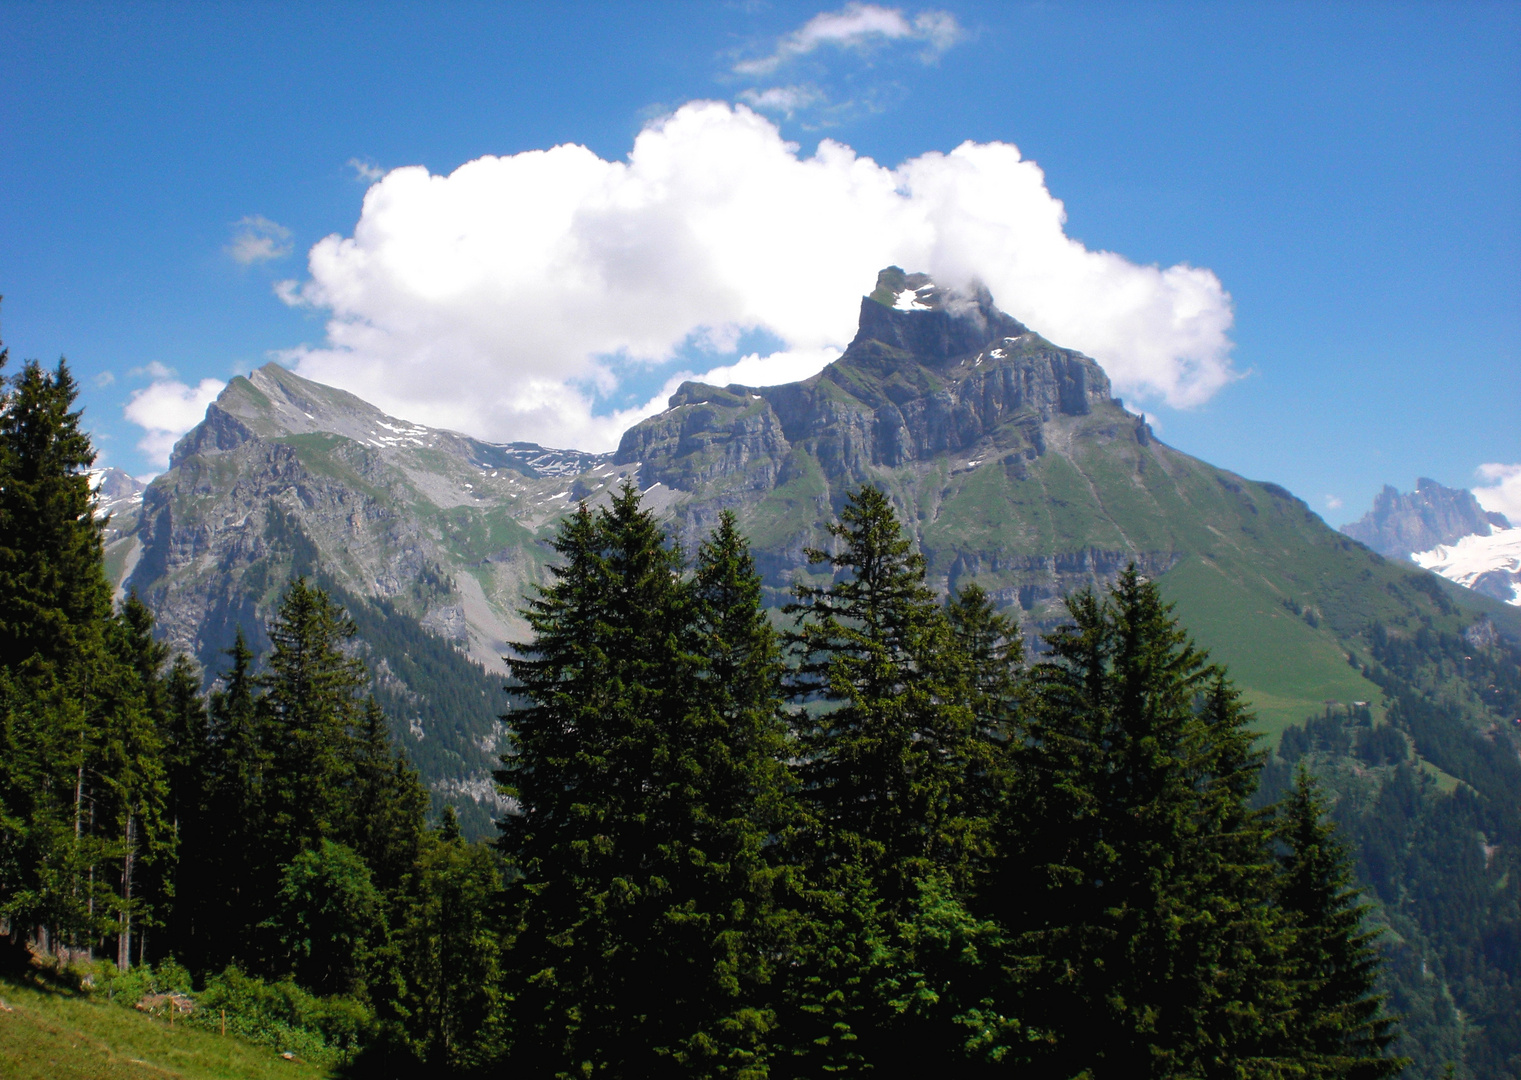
129	987
284	1017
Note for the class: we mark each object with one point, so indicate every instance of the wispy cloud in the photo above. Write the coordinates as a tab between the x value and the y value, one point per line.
366	170
860	27
154	370
782	99
257	239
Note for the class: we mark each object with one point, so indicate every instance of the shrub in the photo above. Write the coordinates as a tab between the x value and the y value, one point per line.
284	1017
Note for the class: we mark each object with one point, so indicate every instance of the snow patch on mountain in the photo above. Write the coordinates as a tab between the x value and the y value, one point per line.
1487	564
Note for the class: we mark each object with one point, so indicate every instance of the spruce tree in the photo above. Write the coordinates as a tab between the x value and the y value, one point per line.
390	804
643	877
743	801
895	771
188	766
54	610
986	662
1338	1027
452	951
131	801
886	737
311	709
54	596
240	864
1134	879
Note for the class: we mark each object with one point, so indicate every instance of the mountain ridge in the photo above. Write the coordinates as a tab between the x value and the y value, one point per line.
1012	465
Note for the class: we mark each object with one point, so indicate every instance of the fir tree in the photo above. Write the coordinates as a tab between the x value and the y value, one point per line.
311	709
1134	881
883	756
1339	1027
643	877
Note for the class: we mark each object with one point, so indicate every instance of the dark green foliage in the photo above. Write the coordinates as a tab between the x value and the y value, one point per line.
312	709
450	947
1135	882
889	740
389	803
238	868
643	791
284	1017
1338	1027
330	920
54	664
1440	862
462	699
54	596
936	862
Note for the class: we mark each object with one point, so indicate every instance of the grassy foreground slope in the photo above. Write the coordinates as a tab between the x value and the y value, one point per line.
53	1035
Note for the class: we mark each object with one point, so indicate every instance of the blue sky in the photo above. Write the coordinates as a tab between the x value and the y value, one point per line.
1350	174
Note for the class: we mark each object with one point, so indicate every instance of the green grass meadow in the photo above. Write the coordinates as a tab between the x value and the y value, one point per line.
55	1035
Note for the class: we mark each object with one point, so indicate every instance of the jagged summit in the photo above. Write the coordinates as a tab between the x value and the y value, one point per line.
910	316
1403	523
932	371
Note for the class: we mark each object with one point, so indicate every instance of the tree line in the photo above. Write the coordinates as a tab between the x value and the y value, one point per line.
875	839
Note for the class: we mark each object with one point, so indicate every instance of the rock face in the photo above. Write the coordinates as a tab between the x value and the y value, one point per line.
1402	523
389	508
939	396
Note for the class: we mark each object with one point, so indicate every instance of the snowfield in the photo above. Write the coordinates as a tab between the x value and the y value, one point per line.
1474	556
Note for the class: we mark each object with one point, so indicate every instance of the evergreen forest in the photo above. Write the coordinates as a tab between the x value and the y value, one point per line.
868	837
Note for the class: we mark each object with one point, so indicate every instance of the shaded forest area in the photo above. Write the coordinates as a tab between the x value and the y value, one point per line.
878	840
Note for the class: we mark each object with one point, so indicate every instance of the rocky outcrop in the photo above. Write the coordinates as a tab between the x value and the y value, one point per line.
931	371
1402	523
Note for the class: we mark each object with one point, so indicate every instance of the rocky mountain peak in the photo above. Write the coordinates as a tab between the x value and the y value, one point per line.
1403	523
273	403
911	317
932	372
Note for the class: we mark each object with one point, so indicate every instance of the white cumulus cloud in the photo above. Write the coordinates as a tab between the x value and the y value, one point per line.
257	239
859	26
1502	490
165	410
491	299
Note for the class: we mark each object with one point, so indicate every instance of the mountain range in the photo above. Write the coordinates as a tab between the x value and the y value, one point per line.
1010	460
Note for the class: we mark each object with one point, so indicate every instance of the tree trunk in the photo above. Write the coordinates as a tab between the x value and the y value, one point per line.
124	941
